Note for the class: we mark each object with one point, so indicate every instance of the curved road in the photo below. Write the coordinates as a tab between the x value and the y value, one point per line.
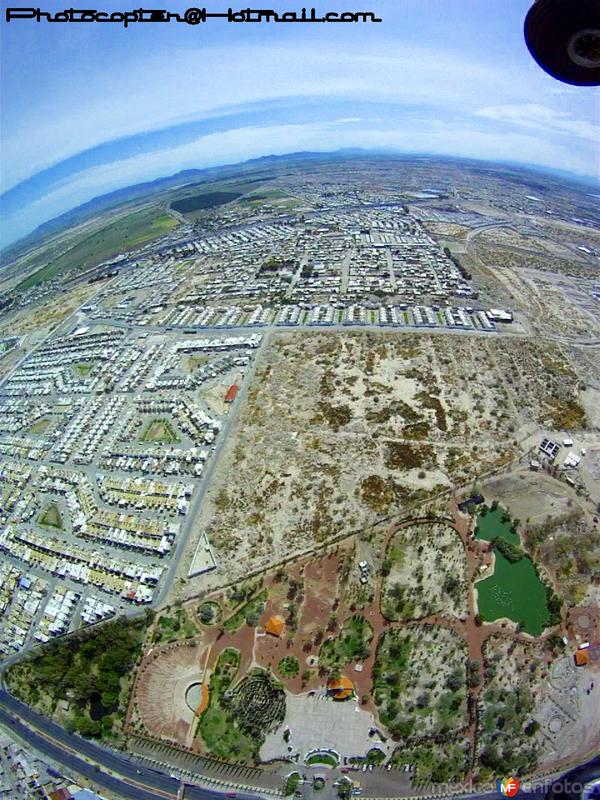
132	780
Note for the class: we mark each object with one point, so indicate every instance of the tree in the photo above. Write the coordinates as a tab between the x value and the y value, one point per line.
363	650
455	680
532	728
252	617
291	783
345	789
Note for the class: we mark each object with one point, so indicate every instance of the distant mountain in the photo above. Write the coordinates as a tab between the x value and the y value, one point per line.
104	202
119	197
190	177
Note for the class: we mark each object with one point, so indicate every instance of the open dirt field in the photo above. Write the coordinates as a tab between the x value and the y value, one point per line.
339	430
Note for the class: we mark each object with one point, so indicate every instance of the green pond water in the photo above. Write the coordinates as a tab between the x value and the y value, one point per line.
491	526
514	590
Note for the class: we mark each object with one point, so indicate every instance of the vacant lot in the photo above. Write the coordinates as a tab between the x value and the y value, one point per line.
51	516
159	431
342	429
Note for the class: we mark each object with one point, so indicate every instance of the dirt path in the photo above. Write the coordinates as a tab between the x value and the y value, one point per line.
311	596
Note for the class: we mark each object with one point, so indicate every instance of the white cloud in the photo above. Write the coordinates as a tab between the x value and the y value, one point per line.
110	103
425	135
543	118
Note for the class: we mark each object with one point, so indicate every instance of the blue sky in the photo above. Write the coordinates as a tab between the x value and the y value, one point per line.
87	109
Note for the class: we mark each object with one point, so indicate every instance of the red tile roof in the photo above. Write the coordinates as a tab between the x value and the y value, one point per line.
232	393
275	626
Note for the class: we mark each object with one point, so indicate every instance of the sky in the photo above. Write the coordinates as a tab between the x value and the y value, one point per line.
89	108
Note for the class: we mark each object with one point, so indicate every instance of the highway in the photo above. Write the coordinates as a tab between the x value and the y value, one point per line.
110	770
132	780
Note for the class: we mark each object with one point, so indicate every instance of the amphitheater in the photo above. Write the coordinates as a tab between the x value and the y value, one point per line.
167	690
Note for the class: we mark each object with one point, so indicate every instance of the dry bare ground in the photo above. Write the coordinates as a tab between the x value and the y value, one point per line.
340	429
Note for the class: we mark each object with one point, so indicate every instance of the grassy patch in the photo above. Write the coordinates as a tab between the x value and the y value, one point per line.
159	431
216	727
172	628
245	612
401	455
568	415
289	666
336	416
291	784
209	613
352	643
236	720
83	369
121	236
193	362
40	426
434	403
325	759
375	756
378	493
51	517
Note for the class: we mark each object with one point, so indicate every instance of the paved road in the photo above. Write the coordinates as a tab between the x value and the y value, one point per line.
110	770
247	330
205	482
134	781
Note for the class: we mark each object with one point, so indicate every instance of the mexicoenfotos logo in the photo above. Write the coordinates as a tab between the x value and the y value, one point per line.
509	787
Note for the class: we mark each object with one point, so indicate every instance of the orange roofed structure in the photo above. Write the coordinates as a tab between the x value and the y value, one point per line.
60	794
232	393
275	626
582	658
340	689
